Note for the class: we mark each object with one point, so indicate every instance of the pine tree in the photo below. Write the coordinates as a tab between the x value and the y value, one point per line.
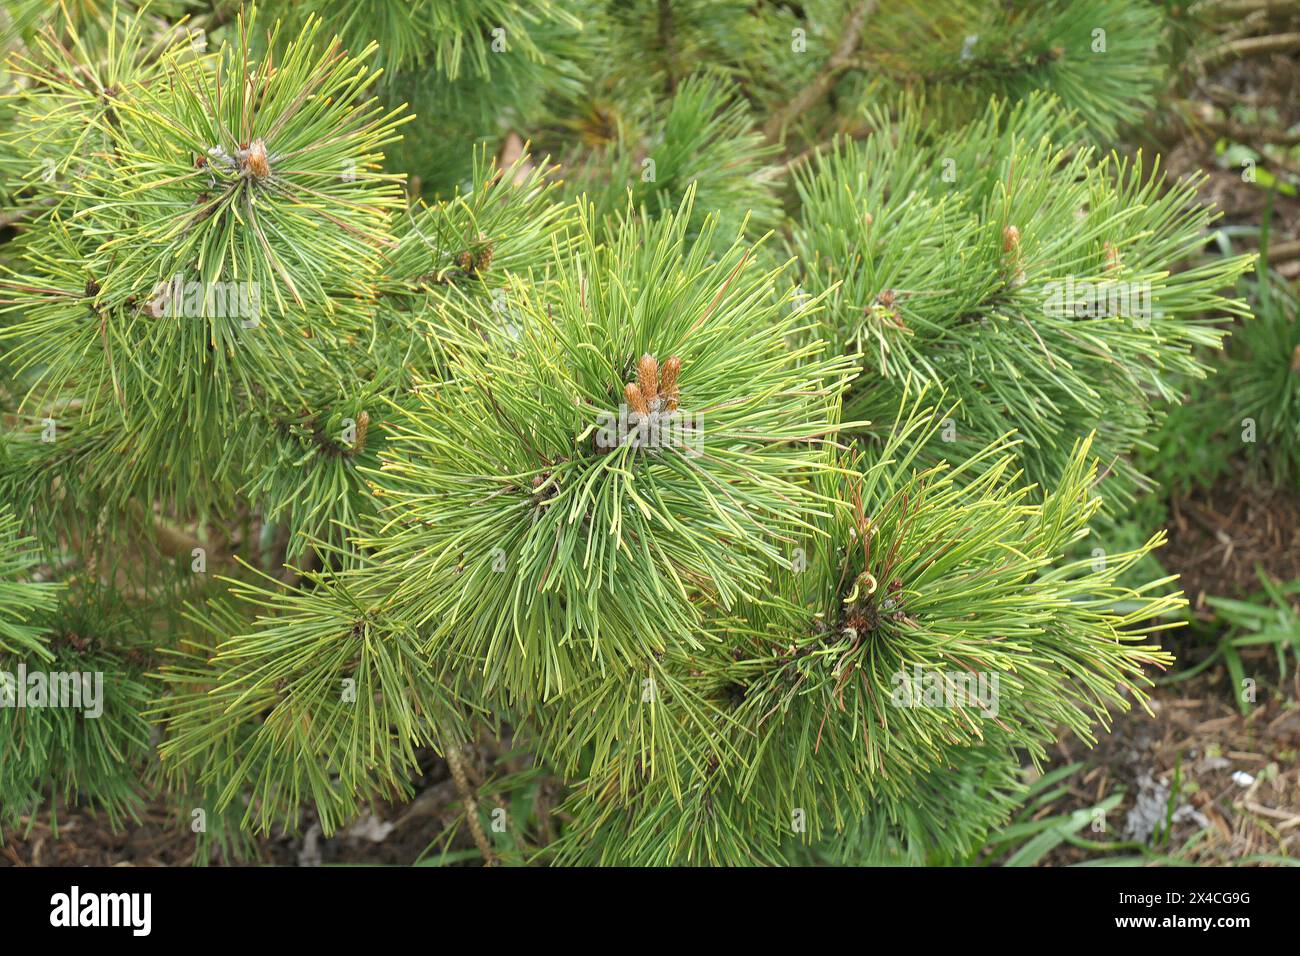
726	451
1058	312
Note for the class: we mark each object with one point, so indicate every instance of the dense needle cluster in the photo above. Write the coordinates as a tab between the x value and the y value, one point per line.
723	477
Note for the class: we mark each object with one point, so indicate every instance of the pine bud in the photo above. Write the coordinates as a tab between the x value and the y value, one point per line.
1295	359
647	371
1010	239
1112	256
255	161
1011	246
635	400
363	422
668	381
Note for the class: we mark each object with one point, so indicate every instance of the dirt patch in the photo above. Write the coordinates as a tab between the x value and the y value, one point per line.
1202	784
1219	535
389	834
1250	102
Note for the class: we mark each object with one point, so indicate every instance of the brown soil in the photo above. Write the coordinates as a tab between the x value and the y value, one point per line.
1219	536
390	834
1231	781
1263	83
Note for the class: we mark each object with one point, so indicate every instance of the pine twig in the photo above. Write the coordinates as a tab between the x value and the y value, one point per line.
666	41
14	216
1284	251
1251	134
1253	46
857	131
456	763
840	61
7	219
172	542
1237	9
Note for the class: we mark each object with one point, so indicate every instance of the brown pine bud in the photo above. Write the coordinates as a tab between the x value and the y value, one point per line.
635	400
255	162
647	373
1295	359
668	381
483	259
363	422
1112	256
1010	239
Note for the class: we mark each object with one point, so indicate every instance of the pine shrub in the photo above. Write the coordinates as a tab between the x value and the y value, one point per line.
728	454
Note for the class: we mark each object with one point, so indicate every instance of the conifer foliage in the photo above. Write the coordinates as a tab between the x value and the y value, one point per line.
1060	309
730	454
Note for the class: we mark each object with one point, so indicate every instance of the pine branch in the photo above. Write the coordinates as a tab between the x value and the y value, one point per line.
456	764
1284	251
665	14
840	61
648	465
